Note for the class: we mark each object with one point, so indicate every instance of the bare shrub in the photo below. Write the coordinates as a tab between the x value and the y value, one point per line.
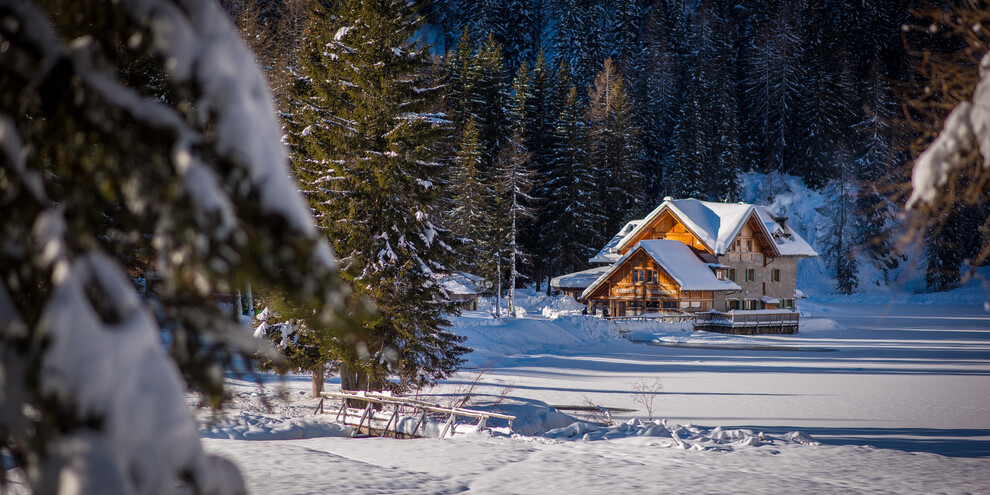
645	394
594	413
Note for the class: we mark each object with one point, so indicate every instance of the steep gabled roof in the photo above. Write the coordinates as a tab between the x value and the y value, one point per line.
675	258
716	225
788	243
609	254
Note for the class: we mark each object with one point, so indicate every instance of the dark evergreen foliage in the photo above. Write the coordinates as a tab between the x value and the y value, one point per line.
367	142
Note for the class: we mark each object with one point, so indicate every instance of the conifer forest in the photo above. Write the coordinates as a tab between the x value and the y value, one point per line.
563	119
175	171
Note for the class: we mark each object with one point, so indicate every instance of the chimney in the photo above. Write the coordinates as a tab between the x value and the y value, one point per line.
782	221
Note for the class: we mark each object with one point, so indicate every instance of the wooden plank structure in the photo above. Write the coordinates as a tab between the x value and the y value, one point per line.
370	414
748	323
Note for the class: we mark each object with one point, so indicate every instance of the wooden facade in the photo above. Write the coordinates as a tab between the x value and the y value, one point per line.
766	280
641	286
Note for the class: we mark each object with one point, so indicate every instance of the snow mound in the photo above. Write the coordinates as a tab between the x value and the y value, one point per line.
808	325
535	418
248	426
688	437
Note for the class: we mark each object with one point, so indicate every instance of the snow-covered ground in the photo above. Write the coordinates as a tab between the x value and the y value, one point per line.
897	395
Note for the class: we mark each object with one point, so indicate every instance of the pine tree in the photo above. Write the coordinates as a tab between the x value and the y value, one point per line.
163	156
538	132
366	149
580	38
707	159
840	237
657	101
773	88
624	35
489	100
573	215
613	140
876	163
515	180
948	246
471	205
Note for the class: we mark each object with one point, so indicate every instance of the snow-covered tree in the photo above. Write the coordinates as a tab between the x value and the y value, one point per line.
579	38
773	86
135	135
706	162
472	204
657	93
574	218
839	243
367	146
613	148
950	171
538	132
515	180
877	162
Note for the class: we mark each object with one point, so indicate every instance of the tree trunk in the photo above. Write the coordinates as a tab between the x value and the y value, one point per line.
353	379
512	269
319	376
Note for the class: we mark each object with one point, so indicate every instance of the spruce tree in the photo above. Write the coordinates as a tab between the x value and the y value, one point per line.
538	129
773	87
574	217
471	204
613	148
136	136
840	237
658	100
367	148
876	163
515	180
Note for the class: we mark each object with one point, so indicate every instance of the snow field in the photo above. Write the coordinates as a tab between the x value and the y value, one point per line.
896	395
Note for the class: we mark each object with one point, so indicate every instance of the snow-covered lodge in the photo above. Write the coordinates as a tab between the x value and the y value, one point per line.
694	256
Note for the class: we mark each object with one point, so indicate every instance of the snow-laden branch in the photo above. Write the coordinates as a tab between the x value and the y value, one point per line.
967	126
202	50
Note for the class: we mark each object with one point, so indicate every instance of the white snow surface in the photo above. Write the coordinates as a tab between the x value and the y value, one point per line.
866	398
581	279
684	266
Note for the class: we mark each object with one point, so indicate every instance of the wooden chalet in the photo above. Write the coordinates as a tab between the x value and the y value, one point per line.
694	256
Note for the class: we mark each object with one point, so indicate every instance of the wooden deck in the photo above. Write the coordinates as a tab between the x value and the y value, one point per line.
748	322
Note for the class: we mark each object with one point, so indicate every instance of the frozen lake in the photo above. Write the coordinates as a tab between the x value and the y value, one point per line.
900	402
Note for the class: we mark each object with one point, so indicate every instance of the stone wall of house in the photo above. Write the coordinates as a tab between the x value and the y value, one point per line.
761	283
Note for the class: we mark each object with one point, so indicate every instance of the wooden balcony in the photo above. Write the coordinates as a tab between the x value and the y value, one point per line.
773	321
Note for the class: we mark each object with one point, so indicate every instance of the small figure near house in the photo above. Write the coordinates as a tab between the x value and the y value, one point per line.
584	311
605	312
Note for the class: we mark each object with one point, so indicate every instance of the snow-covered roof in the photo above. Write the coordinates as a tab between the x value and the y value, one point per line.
787	245
462	283
609	253
714	224
675	258
579	280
